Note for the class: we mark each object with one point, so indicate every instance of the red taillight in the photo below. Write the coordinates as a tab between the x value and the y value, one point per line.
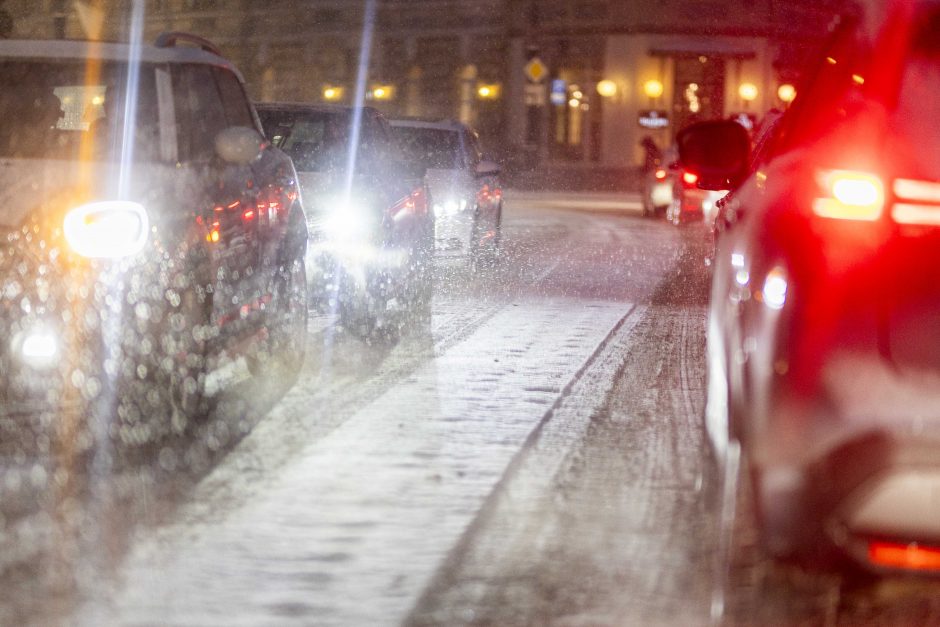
849	195
414	204
660	175
690	178
907	556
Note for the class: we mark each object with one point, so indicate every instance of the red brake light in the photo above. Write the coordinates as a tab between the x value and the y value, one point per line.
660	174
908	556
416	203
690	178
849	195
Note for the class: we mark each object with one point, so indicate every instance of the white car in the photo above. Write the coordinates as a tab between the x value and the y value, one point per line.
465	191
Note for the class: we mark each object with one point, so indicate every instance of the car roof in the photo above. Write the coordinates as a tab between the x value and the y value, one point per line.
108	51
311	107
443	125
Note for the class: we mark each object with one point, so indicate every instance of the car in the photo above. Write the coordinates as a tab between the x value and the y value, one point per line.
658	182
465	187
727	212
368	214
688	202
825	308
150	236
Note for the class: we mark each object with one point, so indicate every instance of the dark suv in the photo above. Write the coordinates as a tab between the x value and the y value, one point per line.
149	235
368	213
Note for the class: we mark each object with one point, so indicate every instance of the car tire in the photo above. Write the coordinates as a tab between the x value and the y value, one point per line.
285	347
485	255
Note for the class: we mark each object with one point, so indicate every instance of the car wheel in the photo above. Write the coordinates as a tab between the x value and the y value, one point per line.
190	332
287	322
486	242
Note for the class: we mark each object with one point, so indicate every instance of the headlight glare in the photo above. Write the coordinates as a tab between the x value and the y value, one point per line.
107	230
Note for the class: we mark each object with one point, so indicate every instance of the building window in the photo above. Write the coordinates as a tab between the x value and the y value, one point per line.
58	27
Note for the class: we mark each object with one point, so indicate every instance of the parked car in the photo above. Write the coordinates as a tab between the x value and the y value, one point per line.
825	308
149	235
465	190
371	230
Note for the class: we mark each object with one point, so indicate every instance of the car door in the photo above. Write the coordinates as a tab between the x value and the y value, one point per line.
225	194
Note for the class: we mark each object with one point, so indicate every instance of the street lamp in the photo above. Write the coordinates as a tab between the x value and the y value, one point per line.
747	91
786	93
383	92
653	89
488	91
607	88
332	94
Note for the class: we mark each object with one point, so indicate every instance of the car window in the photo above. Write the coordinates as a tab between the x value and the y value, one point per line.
234	100
433	148
60	115
200	112
319	141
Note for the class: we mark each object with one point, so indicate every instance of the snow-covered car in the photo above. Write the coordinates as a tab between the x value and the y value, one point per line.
148	234
371	230
465	188
823	322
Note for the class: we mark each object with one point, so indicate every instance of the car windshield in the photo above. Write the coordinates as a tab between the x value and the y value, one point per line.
62	108
469	312
431	147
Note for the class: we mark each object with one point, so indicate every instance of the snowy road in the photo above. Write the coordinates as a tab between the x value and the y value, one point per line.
532	455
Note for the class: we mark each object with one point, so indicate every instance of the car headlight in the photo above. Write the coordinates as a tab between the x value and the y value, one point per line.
38	347
347	224
449	207
107	230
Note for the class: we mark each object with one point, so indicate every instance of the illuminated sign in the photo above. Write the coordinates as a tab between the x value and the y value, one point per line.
653	119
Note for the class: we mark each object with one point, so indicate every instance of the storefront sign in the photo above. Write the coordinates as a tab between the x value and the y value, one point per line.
654	119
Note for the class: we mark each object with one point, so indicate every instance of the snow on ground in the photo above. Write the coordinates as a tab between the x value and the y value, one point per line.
369	511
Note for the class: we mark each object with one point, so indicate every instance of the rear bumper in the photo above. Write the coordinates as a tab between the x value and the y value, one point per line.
858	466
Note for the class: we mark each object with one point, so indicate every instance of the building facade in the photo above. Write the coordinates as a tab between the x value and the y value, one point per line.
567	82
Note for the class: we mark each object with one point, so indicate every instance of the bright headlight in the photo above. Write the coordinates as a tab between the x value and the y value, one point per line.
107	230
37	347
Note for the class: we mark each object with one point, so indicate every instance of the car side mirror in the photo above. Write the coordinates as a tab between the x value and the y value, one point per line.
718	151
239	145
486	168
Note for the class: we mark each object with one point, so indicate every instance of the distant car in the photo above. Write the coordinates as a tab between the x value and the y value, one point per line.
688	202
370	225
824	318
465	188
137	256
658	181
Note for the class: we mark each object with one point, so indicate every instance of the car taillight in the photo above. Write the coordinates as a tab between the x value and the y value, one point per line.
660	175
414	204
849	195
107	230
690	178
907	556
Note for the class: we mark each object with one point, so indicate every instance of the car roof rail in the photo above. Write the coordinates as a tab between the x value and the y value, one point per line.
171	38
